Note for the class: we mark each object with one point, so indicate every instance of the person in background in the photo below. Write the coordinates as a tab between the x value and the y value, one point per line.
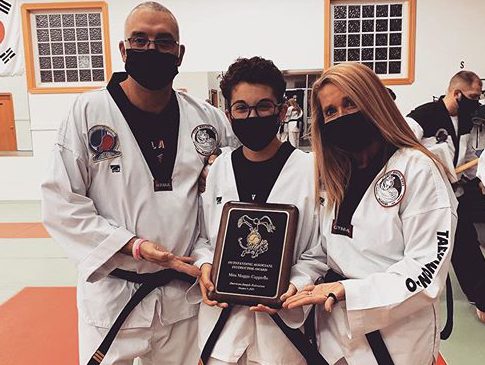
452	117
292	119
388	218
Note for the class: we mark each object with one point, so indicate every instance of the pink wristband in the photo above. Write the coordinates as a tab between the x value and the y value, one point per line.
135	250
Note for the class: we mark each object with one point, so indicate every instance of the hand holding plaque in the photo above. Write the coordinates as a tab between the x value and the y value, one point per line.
253	254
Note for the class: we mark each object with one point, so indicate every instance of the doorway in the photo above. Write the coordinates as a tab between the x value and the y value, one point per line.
8	139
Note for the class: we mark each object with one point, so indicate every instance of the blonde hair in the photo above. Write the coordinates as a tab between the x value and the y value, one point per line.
370	96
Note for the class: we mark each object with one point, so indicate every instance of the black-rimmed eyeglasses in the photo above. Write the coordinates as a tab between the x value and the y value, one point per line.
143	43
264	108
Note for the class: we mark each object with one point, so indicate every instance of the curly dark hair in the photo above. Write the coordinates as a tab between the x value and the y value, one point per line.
255	70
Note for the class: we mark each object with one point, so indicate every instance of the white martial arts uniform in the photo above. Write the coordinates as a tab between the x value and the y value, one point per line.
481	168
432	117
94	203
396	264
292	116
256	333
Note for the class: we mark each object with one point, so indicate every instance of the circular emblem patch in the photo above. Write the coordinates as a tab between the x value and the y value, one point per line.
441	135
205	139
103	141
390	188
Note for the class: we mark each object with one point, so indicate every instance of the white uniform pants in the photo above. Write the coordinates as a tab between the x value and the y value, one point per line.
249	338
242	361
294	134
294	138
174	344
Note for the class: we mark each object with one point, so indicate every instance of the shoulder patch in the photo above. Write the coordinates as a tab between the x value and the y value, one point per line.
441	135
205	139
103	142
390	188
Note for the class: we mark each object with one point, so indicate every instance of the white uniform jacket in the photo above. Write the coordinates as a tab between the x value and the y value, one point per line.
295	185
396	263
481	168
94	203
429	119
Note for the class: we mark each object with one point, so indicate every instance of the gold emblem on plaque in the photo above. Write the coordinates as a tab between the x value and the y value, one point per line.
255	244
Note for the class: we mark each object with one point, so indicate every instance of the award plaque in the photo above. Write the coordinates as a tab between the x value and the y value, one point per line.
254	253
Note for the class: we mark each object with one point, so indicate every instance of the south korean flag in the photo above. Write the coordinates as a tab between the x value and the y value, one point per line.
10	61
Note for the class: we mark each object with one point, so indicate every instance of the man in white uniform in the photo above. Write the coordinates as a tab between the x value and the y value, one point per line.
451	116
121	198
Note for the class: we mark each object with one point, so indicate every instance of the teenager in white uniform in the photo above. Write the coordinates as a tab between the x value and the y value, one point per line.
125	166
262	170
387	228
452	115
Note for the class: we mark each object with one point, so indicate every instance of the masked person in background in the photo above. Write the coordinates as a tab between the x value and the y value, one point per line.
262	170
453	114
387	224
121	198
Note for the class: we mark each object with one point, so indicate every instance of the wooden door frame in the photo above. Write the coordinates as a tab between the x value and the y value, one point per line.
13	136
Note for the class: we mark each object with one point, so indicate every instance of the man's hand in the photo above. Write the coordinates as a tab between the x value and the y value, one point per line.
480	315
482	188
205	172
155	253
263	308
206	285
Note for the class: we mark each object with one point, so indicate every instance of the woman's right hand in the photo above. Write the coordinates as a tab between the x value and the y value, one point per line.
206	286
317	294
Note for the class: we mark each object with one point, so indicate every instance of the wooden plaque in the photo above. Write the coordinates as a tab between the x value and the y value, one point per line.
254	253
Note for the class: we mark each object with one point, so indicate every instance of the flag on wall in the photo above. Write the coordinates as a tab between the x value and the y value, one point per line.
10	61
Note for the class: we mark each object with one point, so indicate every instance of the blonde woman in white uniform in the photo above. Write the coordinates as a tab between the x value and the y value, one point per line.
388	223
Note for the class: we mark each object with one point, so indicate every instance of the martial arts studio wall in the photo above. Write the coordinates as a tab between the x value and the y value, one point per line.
215	32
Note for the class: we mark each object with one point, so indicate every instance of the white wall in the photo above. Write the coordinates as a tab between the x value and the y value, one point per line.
289	32
195	83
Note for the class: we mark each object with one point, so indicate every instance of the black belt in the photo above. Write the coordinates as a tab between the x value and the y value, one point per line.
376	343
148	282
297	338
446	331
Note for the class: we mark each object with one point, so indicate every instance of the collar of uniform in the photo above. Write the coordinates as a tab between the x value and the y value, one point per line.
116	91
359	182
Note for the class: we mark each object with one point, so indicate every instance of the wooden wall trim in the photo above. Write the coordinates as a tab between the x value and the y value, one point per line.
27	9
411	43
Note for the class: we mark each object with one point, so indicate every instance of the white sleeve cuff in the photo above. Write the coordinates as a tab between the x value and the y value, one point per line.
100	262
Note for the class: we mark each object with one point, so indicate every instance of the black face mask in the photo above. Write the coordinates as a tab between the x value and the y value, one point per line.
467	106
257	132
151	69
351	133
